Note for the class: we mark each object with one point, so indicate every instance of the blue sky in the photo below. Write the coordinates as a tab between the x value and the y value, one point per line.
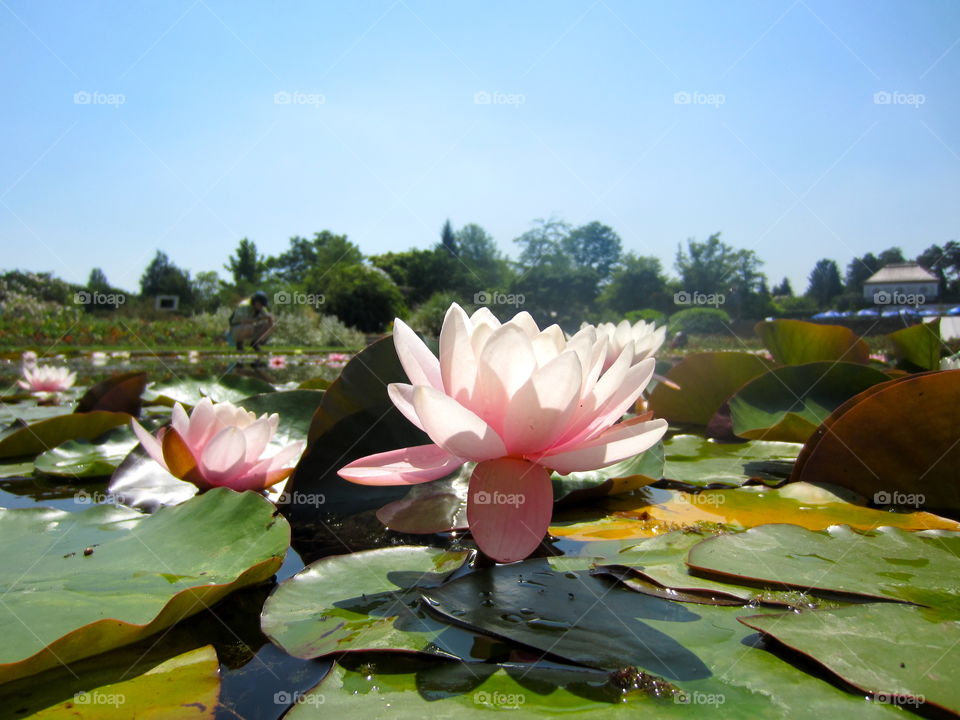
186	125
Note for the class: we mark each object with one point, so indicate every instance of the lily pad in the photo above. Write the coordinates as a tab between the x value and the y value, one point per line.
653	511
796	342
706	380
141	482
895	444
918	346
118	393
886	563
695	460
187	686
789	403
355	418
78	584
19	440
190	391
366	601
83	458
296	409
899	655
622	477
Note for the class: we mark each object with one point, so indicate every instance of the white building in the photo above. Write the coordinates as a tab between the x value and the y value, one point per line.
894	283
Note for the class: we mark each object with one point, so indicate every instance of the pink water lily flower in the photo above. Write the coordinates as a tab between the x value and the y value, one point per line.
278	362
643	338
44	378
520	402
220	445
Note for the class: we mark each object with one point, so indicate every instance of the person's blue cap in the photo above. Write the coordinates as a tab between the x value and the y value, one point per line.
261	296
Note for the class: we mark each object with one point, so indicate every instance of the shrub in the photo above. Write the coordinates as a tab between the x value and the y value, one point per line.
647	315
364	297
699	321
428	318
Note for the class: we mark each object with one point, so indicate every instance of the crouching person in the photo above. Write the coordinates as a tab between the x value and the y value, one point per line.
251	322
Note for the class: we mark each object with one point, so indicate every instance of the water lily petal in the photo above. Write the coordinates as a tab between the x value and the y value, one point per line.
421	365
458	363
455	428
257	436
401	395
406	466
149	442
525	322
506	363
540	410
617	443
203	423
179	461
509	505
224	457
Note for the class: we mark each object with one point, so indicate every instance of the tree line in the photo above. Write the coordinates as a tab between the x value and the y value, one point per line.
563	273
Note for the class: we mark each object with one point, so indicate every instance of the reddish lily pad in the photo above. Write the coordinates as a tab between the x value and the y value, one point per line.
896	444
118	393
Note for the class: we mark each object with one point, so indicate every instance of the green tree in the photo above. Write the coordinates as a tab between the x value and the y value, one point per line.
859	270
484	267
713	267
364	297
320	257
448	238
163	277
595	246
246	265
891	255
97	282
636	282
418	273
784	289
945	263
825	282
206	290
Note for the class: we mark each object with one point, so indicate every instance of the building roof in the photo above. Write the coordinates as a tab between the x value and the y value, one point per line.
902	273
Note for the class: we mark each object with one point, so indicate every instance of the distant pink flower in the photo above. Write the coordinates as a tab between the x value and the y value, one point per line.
336	360
278	362
44	378
878	357
219	445
520	402
193	356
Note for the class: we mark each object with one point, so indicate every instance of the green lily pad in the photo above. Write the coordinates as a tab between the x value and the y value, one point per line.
367	601
706	380
187	686
789	403
900	655
317	383
884	563
190	391
895	444
296	409
16	469
78	584
918	346
796	342
695	460
118	393
83	458
622	477
19	440
661	561
30	411
141	482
